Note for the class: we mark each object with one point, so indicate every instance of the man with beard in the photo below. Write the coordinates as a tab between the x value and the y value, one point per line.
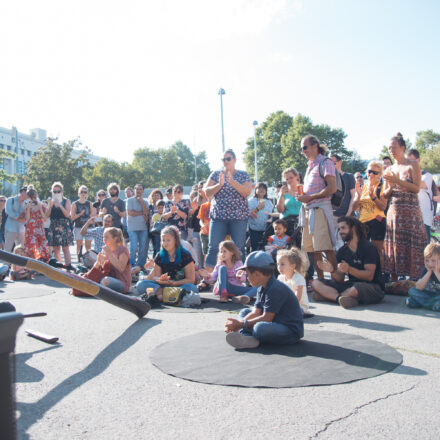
358	259
113	205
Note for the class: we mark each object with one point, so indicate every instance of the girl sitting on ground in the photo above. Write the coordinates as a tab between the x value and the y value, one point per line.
20	272
173	266
293	265
117	253
229	281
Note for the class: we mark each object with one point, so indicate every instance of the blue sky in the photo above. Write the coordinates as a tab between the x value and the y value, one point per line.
124	76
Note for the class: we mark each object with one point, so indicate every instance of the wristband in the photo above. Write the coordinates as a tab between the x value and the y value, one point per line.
245	327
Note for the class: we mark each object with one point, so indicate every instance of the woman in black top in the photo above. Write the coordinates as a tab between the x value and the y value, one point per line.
60	232
82	210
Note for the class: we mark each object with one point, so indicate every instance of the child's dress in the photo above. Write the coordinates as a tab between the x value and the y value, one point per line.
294	282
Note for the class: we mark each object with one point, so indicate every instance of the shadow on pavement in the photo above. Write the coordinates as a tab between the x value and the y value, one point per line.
26	373
31	413
318	319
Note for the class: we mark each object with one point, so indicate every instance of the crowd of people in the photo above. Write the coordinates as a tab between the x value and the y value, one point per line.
363	229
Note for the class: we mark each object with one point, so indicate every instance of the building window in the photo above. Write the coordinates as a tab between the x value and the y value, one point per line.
9	148
29	153
20	167
22	151
13	139
16	150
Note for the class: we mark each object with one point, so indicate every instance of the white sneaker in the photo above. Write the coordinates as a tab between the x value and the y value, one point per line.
238	340
241	299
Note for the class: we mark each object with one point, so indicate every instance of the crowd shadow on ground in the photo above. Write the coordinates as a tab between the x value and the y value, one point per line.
31	413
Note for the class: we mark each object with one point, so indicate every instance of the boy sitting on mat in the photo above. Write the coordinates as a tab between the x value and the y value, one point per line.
276	317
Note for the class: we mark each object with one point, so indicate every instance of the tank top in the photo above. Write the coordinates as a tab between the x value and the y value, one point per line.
56	213
81	221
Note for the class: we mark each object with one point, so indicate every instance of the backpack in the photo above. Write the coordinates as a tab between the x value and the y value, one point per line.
339	195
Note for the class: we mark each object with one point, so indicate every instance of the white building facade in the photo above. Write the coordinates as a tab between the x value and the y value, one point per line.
24	146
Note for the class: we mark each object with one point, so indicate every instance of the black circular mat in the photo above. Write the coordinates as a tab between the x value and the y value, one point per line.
23	289
321	358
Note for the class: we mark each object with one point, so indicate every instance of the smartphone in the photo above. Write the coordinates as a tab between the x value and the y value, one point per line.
35	203
98	219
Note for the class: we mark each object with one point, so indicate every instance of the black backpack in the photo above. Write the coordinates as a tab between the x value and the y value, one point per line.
339	195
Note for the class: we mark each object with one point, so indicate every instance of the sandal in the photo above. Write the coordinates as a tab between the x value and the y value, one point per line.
224	298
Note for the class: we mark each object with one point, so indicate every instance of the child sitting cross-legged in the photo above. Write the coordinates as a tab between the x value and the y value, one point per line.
426	292
292	266
229	281
276	317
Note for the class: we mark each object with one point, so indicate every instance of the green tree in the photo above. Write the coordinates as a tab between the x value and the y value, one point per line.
269	136
430	160
56	162
5	177
107	171
427	140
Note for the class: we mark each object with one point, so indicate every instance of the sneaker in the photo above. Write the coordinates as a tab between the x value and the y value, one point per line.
348	302
69	267
241	299
238	340
317	297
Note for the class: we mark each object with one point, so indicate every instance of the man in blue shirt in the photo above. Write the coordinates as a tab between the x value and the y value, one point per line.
14	227
276	317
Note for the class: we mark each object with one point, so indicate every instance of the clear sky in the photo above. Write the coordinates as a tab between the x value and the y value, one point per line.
126	75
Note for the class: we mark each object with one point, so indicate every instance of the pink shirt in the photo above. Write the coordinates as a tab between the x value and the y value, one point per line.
231	274
313	182
125	275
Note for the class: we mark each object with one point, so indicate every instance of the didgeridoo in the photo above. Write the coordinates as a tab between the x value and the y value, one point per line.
134	305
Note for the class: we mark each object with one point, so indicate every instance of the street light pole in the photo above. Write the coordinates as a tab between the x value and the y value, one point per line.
255	123
195	168
221	92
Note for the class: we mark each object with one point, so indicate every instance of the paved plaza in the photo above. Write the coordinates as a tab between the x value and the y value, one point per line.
99	383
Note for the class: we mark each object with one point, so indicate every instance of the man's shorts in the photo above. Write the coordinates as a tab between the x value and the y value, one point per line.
368	293
78	236
321	239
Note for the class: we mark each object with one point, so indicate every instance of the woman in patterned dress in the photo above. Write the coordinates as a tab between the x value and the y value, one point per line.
405	236
229	189
35	238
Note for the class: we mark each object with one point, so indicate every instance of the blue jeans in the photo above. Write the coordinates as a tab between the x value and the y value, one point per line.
269	332
233	289
143	285
256	238
197	244
138	246
423	298
217	232
114	284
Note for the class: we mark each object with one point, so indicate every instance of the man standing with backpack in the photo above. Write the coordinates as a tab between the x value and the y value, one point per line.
316	214
428	190
346	207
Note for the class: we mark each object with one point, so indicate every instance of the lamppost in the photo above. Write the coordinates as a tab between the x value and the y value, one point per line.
221	92
255	123
195	169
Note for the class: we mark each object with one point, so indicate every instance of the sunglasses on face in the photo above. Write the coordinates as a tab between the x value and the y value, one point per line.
177	192
304	147
101	195
84	192
56	192
376	173
227	159
2	201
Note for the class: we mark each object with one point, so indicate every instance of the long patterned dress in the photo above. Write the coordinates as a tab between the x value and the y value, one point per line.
35	238
405	237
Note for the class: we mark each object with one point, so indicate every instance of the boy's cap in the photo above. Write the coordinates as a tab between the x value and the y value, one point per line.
258	259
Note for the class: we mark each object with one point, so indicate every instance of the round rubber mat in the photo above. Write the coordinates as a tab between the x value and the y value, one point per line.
321	358
23	289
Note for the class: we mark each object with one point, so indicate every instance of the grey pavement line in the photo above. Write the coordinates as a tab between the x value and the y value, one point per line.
356	410
425	353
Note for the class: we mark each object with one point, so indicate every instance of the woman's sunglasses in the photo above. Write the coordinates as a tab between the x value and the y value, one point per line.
56	192
227	159
101	195
376	173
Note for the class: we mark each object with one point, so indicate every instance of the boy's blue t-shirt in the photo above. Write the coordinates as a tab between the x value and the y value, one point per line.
278	298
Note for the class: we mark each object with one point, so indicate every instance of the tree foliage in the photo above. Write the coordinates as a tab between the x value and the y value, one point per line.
428	145
3	175
278	146
55	162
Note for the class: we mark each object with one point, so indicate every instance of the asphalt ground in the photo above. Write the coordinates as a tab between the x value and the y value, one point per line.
98	381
